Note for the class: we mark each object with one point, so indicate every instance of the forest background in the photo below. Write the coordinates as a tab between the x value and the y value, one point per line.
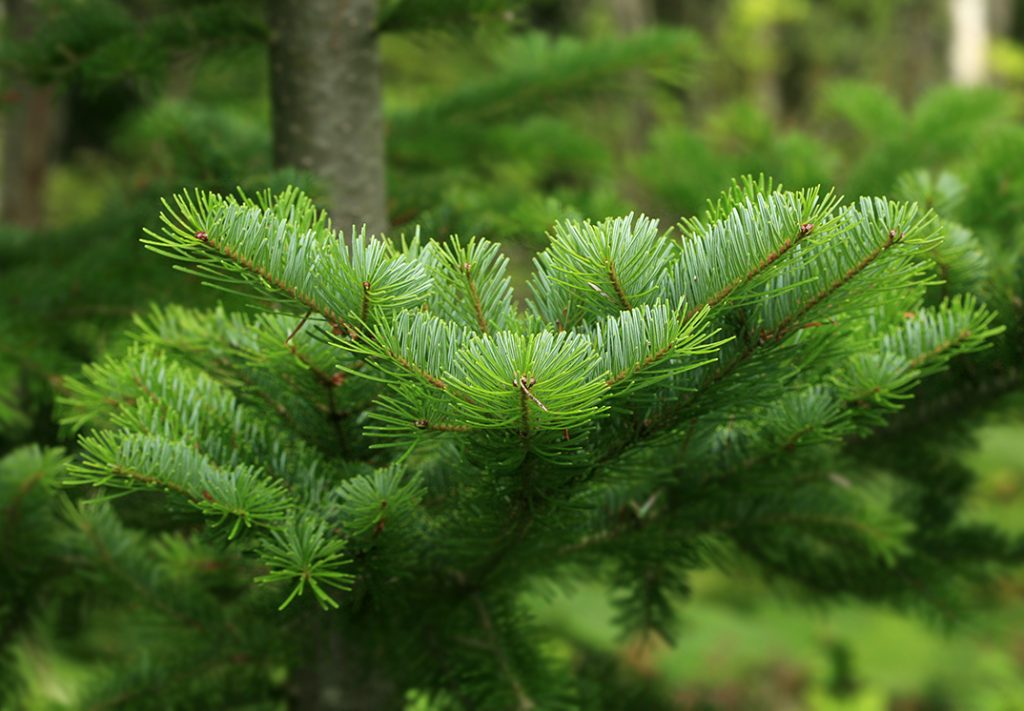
499	118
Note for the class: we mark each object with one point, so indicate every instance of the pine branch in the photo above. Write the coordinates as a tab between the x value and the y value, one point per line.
746	236
305	265
240	493
612	266
659	404
472	286
300	552
647	345
149	393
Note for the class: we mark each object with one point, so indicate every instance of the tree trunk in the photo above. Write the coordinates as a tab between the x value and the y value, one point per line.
326	97
969	41
28	123
632	15
327	121
1001	17
341	675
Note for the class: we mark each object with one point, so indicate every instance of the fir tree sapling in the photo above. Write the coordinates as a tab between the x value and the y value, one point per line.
390	435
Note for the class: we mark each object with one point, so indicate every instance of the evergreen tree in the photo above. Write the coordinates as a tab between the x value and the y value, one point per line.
160	95
341	498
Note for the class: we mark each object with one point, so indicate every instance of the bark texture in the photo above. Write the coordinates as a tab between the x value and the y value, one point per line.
29	120
326	97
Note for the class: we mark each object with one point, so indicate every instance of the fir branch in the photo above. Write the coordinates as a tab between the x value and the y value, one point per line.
475	298
658	402
304	264
279	284
620	293
650	344
744	240
802	231
473	287
241	493
785	327
300	552
607	267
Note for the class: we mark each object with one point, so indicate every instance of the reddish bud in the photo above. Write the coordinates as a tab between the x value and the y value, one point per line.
207	495
806	228
337	379
202	236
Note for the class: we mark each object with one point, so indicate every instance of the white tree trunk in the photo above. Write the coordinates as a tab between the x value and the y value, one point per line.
969	41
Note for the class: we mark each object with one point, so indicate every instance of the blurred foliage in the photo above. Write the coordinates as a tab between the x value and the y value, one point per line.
105	43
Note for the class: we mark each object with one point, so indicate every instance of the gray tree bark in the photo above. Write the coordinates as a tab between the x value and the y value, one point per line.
28	125
326	98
